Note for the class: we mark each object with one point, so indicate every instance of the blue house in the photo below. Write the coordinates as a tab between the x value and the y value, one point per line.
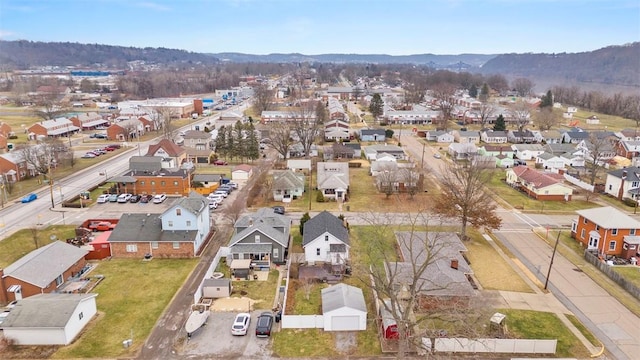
377	135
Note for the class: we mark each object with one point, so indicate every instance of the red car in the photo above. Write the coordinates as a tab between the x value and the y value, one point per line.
220	162
102	226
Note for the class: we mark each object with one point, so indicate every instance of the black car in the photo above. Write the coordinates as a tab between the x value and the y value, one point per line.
264	324
145	198
134	198
278	210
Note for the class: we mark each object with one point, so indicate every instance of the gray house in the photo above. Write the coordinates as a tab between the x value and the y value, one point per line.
333	179
262	237
377	135
287	185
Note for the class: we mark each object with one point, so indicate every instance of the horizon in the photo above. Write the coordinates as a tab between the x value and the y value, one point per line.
314	27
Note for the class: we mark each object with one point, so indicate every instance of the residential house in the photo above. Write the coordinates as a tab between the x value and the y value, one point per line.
261	238
287	185
336	134
552	136
343	151
602	149
126	130
607	231
459	151
208	181
343	308
178	232
628	135
467	137
88	121
337	124
575	136
335	109
299	164
371	152
374	135
440	136
333	180
52	128
147	176
628	149
267	117
326	240
539	185
378	166
49	319
495	150
504	161
527	151
411	117
549	161
593	120
521	137
197	146
493	137
13	167
41	271
444	283
167	149
624	183
242	172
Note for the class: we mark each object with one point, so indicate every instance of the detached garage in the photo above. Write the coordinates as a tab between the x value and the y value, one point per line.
343	308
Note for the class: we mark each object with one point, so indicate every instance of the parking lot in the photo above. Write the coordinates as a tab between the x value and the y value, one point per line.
215	339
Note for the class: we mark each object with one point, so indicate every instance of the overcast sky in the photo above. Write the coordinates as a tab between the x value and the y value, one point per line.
395	27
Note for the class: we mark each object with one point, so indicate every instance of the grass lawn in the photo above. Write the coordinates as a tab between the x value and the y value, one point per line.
302	305
263	292
131	298
630	273
525	324
292	343
22	242
587	334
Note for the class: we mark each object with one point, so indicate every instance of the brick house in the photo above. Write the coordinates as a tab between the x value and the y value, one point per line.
178	232
607	231
154	180
14	168
53	128
88	121
125	130
539	185
41	271
166	148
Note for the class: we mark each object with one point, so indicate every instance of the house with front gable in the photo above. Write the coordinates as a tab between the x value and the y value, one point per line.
178	232
629	149
607	231
260	238
52	128
373	135
459	151
604	150
197	146
440	136
521	137
168	150
490	136
41	271
539	185
628	135
14	167
551	136
549	161
575	136
372	152
333	180
287	185
624	183
325	240
467	137
527	151
126	129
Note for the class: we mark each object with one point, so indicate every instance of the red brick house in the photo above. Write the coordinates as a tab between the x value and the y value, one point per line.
41	271
125	130
608	231
53	128
14	168
166	148
5	129
88	121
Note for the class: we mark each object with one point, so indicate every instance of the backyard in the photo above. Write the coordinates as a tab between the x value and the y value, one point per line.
262	292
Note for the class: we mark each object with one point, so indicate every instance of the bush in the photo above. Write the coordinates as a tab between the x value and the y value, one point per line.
319	197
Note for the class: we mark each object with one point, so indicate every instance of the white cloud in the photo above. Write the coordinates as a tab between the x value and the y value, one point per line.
5	34
153	6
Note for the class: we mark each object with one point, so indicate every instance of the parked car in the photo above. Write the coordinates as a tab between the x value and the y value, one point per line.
88	155
264	324
103	199
29	198
215	197
145	198
437	155
241	324
124	198
134	198
233	185
160	198
278	210
101	226
213	205
221	193
113	197
220	162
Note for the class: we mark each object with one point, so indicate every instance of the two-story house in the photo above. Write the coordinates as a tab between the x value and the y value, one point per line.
607	231
333	180
624	183
325	240
260	238
197	146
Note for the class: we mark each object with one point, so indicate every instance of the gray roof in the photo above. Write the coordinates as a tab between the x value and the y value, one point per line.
208	177
333	175
342	295
287	180
145	163
264	215
250	248
194	203
468	133
322	223
275	235
196	134
216	282
365	132
44	310
147	228
609	218
633	173
42	266
559	148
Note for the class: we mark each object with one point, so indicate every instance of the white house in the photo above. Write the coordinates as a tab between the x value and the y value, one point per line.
550	161
326	240
242	172
49	319
440	136
527	151
624	183
343	308
493	137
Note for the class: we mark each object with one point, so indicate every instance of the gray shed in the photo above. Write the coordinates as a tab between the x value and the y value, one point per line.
216	288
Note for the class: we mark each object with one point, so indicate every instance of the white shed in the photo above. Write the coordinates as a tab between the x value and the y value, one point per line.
49	319
241	172
343	308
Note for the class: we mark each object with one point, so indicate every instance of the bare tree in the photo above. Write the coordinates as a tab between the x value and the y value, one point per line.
546	119
262	98
464	196
403	274
523	86
165	117
281	141
443	93
35	235
306	125
411	179
234	210
485	113
596	150
307	286
386	179
521	114
48	102
42	157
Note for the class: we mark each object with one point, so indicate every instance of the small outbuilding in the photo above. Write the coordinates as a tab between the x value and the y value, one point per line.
99	247
343	308
49	319
216	288
241	172
388	323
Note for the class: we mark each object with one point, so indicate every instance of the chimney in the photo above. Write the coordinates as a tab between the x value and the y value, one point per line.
454	264
3	289
622	180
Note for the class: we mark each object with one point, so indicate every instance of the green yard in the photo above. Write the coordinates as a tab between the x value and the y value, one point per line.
24	241
262	292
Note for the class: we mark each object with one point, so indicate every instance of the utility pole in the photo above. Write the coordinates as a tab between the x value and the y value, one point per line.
51	185
555	247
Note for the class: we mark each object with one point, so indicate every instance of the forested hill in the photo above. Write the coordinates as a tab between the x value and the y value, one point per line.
613	65
23	54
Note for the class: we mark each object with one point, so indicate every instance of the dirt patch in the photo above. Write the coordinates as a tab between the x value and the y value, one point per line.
346	341
363	163
235	304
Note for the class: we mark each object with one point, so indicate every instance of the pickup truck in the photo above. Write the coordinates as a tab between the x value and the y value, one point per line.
101	226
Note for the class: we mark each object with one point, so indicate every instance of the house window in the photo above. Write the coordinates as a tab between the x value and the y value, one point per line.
141	183
634	184
584	220
326	238
179	212
154	244
176	245
188	222
614	231
256	238
632	232
132	248
574	227
80	316
318	251
153	183
163	183
612	245
275	253
59	280
597	227
175	183
582	234
170	223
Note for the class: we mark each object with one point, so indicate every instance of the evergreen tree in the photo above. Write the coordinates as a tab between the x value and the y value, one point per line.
547	100
253	144
376	106
221	142
230	143
500	125
240	143
473	91
484	92
305	217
